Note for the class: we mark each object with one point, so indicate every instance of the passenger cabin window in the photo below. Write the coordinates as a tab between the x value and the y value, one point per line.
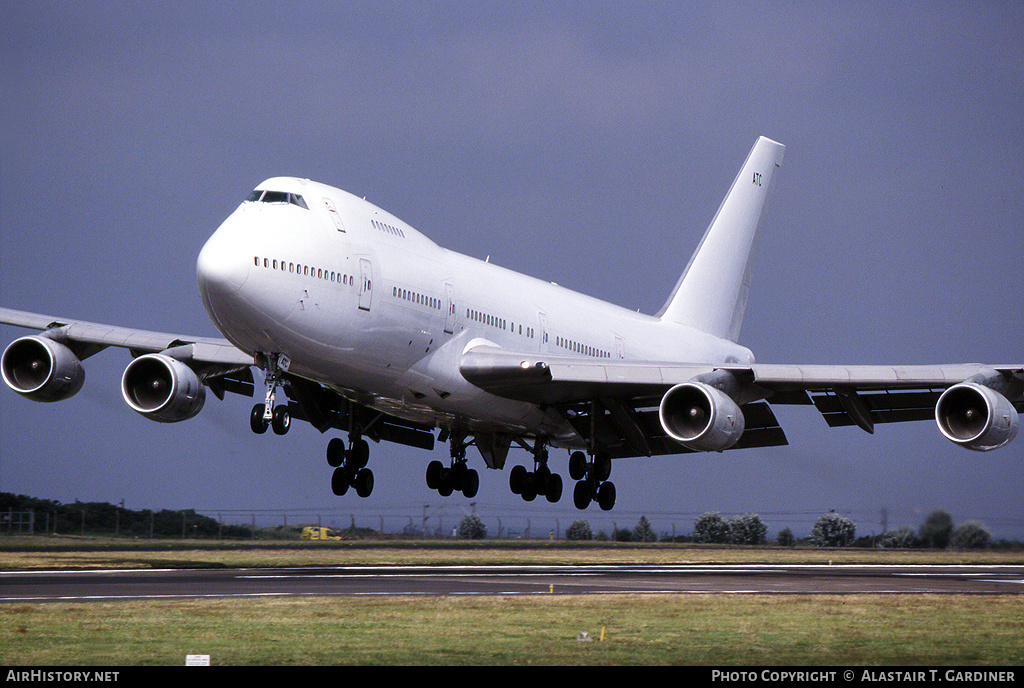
262	196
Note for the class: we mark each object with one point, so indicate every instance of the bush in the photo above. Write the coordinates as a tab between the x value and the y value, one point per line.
643	531
832	530
747	530
579	530
936	529
710	528
901	538
472	528
970	535
785	537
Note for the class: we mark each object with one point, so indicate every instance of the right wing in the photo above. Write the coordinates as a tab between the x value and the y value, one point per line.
646	408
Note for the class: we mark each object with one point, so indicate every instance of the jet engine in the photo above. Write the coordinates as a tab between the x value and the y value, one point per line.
42	369
701	417
162	388
976	417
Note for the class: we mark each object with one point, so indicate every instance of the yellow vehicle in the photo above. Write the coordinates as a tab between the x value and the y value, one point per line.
319	533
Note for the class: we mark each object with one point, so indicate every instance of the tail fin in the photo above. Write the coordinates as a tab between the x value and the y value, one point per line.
711	295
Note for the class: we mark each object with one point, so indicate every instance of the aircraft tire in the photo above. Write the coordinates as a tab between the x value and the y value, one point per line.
577	465
606	496
339	481
364	482
335	452
256	421
282	420
434	469
517	479
602	467
581	494
553	488
359	455
470	484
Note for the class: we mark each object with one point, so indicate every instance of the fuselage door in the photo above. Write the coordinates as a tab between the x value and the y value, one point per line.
365	283
449	316
333	212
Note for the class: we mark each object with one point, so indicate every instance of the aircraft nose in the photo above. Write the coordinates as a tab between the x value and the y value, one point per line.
221	270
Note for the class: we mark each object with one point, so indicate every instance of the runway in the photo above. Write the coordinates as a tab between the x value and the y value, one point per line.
86	586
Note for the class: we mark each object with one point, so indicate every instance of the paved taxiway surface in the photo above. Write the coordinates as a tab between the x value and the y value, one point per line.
84	586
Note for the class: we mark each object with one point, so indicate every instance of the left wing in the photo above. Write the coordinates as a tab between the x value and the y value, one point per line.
645	408
165	382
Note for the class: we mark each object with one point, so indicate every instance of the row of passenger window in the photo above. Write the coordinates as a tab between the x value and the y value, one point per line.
421	299
578	348
304	270
500	323
384	227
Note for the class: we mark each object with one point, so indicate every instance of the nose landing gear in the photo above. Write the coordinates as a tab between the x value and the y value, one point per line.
266	414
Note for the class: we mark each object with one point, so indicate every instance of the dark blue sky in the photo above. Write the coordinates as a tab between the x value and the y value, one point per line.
585	143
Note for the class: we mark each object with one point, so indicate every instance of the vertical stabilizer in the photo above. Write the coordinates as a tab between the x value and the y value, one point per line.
712	292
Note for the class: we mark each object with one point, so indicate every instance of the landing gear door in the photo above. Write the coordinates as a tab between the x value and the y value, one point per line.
365	283
449	316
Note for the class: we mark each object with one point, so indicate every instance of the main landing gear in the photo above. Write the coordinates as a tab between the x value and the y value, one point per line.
592	480
458	478
539	481
350	466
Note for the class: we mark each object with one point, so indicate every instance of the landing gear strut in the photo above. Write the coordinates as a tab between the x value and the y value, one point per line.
350	466
539	481
592	480
459	477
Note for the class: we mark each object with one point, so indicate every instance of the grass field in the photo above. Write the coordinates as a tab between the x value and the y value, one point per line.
638	629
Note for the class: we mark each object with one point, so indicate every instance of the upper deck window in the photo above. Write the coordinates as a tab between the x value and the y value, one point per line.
264	196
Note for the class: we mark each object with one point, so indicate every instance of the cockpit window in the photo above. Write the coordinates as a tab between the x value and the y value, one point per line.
277	197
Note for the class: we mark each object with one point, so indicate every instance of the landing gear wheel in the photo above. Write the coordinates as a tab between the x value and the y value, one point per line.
282	420
553	488
470	484
335	452
577	465
517	479
602	467
363	482
339	481
606	496
256	421
434	469
359	453
581	494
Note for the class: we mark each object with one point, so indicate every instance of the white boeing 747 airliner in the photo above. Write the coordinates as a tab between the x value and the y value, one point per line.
371	329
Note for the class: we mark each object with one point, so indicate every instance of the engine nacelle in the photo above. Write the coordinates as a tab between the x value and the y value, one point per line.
42	369
976	417
701	417
162	388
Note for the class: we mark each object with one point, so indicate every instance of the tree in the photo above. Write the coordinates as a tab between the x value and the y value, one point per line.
710	528
785	537
936	529
832	530
579	530
472	528
970	535
747	530
643	531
